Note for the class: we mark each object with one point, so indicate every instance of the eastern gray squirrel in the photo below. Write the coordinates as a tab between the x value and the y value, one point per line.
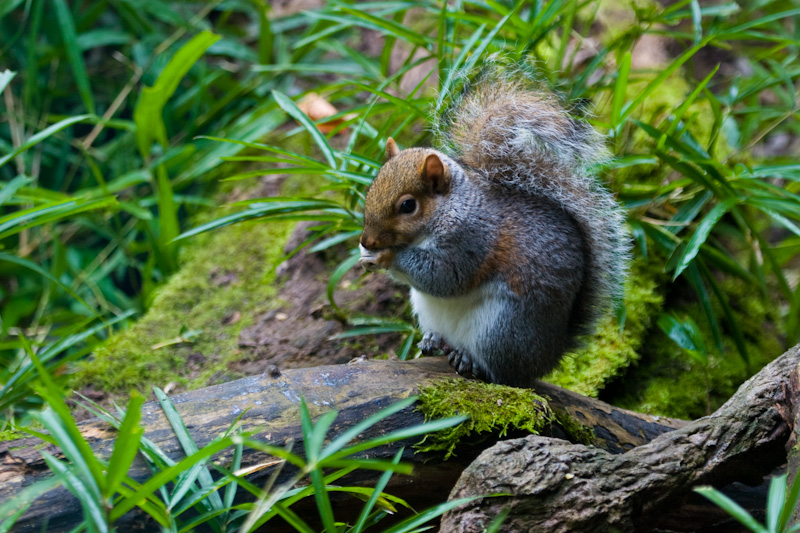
512	247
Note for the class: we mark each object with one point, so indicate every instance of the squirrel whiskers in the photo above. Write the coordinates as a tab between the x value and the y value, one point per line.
510	244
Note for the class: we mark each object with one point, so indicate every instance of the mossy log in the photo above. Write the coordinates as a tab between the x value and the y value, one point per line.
558	486
272	403
790	411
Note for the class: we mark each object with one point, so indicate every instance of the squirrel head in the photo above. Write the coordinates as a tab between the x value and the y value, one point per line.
401	202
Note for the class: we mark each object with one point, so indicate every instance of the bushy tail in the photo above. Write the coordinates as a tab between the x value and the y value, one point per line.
504	124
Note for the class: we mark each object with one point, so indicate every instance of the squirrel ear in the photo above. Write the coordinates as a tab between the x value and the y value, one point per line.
391	148
436	173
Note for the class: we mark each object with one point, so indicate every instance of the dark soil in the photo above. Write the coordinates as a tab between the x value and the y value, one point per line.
300	332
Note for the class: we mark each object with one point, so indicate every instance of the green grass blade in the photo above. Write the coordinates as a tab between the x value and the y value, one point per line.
734	328
292	518
270	206
323	500
697	21
14	507
147	115
776	497
36	216
10	189
265	35
152	506
187	442
620	91
399	102
236	463
333	241
64	429
314	441
732	508
375	330
412	523
486	41
791	503
126	445
400	434
681	111
169	227
566	33
343	268
92	506
44	273
388	27
45	133
494	527
87	470
665	73
291	108
337	444
382	482
702	232
793	320
5	78
167	475
66	25
446	84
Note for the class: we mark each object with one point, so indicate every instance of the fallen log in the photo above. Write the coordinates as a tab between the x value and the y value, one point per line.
271	402
558	486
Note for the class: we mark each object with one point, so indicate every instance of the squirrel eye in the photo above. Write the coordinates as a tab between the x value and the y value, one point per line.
408	206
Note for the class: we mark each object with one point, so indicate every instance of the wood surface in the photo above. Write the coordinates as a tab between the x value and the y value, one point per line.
272	401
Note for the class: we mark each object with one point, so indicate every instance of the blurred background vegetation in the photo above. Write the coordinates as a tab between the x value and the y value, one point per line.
119	118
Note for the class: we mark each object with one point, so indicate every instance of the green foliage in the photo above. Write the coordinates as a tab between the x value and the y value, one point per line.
712	204
617	343
153	351
94	481
780	506
74	341
112	129
667	380
489	408
90	204
106	491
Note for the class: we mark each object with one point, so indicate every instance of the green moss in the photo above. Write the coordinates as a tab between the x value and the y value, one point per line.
610	350
11	434
669	382
491	409
225	280
222	276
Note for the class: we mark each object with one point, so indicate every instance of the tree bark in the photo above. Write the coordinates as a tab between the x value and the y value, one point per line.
559	486
357	390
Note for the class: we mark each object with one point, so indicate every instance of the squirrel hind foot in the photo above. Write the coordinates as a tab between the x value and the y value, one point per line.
466	365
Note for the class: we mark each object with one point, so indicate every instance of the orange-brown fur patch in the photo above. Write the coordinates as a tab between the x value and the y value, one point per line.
502	259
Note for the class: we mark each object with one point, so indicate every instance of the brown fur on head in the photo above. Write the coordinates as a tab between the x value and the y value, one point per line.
401	201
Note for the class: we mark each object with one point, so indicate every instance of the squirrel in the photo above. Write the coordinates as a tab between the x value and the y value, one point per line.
512	247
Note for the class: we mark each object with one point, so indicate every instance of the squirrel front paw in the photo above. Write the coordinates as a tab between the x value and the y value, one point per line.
465	365
431	342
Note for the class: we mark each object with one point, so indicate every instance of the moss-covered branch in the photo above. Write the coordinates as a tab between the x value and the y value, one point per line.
559	486
271	405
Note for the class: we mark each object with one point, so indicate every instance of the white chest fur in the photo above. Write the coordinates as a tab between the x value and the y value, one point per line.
464	320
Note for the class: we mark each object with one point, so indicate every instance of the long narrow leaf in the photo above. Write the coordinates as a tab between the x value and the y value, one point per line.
45	133
291	108
126	445
65	23
701	233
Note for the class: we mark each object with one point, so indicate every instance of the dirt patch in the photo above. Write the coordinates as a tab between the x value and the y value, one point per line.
300	333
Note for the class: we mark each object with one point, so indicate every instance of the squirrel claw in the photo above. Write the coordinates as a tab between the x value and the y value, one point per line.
464	364
461	362
431	342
